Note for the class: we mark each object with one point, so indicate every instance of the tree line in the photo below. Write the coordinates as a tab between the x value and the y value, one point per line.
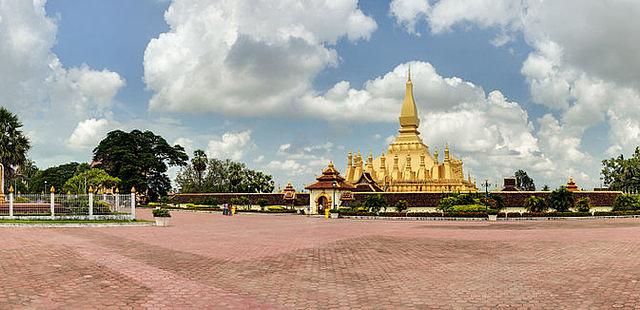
123	160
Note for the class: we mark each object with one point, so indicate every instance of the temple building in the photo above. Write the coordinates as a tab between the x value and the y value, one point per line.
408	165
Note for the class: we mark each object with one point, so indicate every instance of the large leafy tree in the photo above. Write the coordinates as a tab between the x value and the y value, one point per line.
622	173
14	145
561	199
24	176
524	182
199	164
225	176
96	178
54	176
139	159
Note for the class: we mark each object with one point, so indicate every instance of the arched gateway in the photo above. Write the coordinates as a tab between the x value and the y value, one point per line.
327	190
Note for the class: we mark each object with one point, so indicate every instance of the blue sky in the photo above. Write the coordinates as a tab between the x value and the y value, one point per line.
287	90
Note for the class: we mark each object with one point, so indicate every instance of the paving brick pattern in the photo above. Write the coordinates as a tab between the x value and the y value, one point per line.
294	262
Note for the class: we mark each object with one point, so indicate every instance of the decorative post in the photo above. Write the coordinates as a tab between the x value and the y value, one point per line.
11	202
117	200
90	201
133	203
53	201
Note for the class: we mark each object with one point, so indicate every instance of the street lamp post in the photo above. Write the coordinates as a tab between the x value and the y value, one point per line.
333	202
486	195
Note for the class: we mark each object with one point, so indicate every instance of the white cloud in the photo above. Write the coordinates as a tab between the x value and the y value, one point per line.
409	12
55	103
232	145
88	133
246	57
584	67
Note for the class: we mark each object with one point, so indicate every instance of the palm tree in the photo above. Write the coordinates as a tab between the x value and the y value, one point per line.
199	163
13	143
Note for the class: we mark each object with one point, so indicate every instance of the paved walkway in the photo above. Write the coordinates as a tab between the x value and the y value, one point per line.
211	261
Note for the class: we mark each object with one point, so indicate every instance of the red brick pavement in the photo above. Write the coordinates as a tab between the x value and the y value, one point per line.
268	261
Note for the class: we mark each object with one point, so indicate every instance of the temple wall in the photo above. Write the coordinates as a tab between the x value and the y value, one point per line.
273	199
600	199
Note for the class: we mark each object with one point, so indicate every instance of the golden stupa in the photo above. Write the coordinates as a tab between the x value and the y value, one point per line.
408	165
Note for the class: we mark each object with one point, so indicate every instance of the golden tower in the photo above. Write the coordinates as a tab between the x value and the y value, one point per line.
411	166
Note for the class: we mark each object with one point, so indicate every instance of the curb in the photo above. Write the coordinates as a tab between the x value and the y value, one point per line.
78	225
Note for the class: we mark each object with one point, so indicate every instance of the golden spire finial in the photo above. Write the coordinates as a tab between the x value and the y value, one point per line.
409	121
409	74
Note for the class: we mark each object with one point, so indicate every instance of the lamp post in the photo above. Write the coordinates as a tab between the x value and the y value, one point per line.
486	195
45	187
333	202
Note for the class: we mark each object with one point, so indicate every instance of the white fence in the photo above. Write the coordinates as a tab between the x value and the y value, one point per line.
91	206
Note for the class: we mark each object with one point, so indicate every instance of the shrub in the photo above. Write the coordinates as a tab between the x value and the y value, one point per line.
374	203
447	203
583	204
536	204
275	208
262	202
401	205
561	199
22	200
493	212
210	201
626	202
161	213
468	208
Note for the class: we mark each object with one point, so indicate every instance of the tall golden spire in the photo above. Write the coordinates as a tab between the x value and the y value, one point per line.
409	121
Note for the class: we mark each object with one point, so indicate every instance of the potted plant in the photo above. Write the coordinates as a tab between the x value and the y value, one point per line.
334	213
161	216
493	214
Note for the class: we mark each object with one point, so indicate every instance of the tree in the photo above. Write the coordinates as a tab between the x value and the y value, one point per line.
536	204
54	176
622	174
626	202
561	199
374	203
583	204
199	163
14	145
524	182
24	176
225	176
546	188
96	178
401	205
139	159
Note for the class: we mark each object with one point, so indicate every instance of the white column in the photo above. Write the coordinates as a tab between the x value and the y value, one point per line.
11	204
133	205
53	200
91	205
117	202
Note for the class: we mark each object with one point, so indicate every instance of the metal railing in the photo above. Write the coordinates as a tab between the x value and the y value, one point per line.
67	206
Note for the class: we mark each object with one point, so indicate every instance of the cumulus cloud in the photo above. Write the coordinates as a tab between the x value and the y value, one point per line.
409	12
295	160
88	133
232	145
246	57
583	67
58	105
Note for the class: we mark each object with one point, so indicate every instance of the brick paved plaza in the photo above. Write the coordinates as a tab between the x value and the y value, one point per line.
268	261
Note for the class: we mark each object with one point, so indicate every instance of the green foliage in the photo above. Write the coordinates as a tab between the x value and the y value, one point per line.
275	208
536	204
262	202
210	201
241	201
22	200
626	202
493	211
546	188
374	203
524	182
402	205
54	176
199	164
224	176
561	199
24	176
583	204
623	174
467	208
161	213
447	203
139	159
14	145
96	178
